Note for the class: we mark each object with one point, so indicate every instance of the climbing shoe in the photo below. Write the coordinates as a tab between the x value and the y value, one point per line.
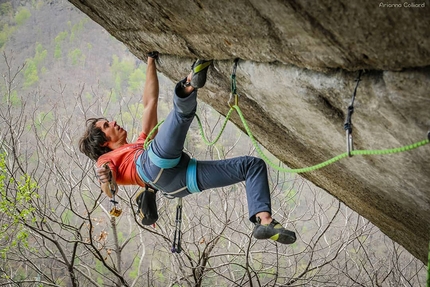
274	231
199	73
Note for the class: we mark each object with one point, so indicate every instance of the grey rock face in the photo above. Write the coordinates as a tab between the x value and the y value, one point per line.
299	60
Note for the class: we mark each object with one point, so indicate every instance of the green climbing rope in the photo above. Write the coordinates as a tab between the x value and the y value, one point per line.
306	169
148	140
275	166
330	161
210	143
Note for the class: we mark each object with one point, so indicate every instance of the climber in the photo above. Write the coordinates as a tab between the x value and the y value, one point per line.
164	165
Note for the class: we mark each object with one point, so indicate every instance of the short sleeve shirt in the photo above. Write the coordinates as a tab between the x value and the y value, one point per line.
121	162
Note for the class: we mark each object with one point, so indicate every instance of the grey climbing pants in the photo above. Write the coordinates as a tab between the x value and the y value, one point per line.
165	166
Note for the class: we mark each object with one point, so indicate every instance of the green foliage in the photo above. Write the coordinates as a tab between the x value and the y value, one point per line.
59	39
290	195
136	109
120	236
14	99
22	15
72	36
135	269
136	80
6	9
78	27
5	33
118	82
38	5
57	51
40	54
31	74
121	71
2	172
161	278
3	36
126	117
113	97
44	118
88	96
100	270
16	205
11	98
66	216
76	57
8	22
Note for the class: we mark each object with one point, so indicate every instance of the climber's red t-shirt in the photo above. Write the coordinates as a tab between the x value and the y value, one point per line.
121	162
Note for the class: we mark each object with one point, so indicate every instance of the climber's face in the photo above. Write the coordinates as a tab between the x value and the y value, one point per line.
117	136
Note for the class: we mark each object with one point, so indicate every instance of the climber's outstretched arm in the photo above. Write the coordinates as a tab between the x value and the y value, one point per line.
150	97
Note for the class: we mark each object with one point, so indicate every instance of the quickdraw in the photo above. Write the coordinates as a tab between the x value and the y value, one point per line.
233	93
115	209
176	244
348	122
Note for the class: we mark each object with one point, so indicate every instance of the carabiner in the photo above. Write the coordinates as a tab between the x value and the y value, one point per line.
115	210
236	100
349	143
233	85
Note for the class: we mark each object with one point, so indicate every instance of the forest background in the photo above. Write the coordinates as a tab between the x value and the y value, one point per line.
60	68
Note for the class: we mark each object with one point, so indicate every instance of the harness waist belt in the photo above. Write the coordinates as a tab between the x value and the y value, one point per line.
162	162
191	174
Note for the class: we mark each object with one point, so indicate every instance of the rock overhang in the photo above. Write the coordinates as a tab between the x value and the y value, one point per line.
296	75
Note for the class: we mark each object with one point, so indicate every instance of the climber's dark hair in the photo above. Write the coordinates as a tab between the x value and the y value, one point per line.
91	143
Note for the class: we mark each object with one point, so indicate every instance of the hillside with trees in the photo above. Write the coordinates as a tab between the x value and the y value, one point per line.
60	68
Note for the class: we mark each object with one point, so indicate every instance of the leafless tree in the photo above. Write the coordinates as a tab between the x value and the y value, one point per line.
56	229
